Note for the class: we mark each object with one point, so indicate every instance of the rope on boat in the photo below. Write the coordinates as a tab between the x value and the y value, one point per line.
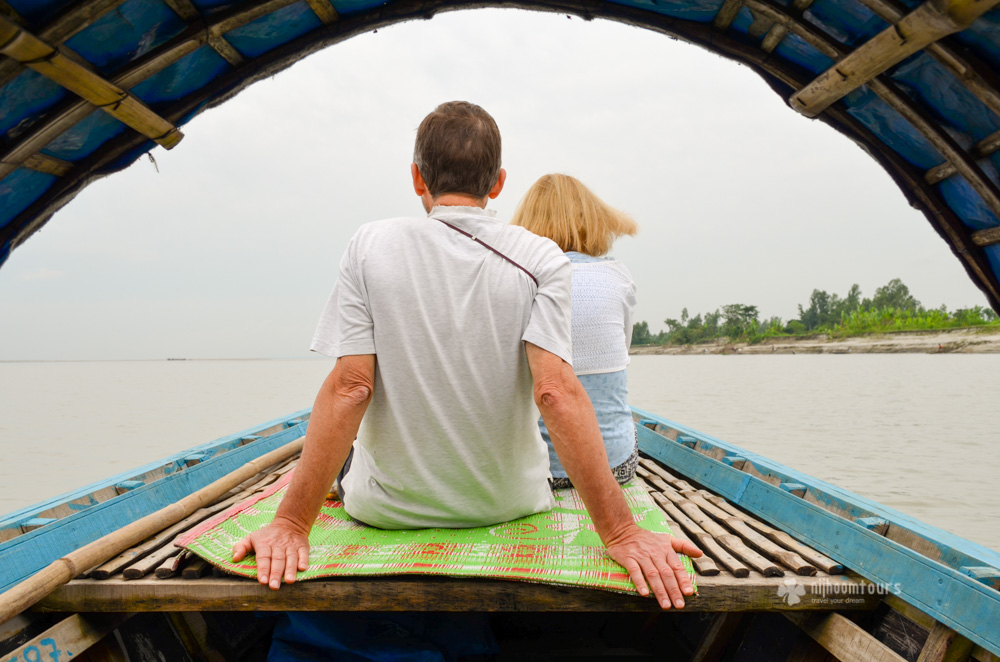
61	571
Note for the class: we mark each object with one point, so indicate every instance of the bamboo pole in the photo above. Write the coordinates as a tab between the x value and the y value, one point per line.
324	11
926	24
61	571
24	47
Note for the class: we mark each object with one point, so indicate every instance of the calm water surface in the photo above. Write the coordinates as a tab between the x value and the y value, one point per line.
916	432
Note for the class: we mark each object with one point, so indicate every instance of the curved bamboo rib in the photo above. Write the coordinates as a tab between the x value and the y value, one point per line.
189	13
985	147
48	164
34	140
31	51
10	13
923	26
64	26
780	75
726	14
960	65
31	143
324	11
987	237
955	156
61	571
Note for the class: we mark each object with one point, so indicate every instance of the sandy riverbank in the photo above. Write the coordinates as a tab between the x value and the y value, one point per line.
962	341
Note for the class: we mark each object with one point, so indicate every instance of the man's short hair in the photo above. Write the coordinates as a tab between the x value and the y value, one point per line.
458	150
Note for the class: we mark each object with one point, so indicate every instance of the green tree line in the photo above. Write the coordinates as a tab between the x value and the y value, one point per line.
892	308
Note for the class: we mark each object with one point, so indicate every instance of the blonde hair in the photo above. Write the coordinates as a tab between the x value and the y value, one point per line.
563	209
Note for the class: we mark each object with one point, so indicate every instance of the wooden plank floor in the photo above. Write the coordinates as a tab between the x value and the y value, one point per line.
748	567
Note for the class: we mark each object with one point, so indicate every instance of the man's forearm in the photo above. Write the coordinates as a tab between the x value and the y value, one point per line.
577	440
333	426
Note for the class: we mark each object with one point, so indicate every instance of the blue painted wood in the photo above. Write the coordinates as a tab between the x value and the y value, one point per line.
798	489
872	523
127	485
34	522
954	551
985	574
176	463
687	441
951	597
735	461
29	553
195	458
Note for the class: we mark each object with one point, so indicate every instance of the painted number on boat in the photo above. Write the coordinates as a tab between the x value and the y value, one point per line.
35	654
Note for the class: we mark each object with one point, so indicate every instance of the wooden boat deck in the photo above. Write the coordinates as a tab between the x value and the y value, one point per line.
748	566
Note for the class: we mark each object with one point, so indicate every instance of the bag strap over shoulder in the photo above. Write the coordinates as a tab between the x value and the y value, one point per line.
483	243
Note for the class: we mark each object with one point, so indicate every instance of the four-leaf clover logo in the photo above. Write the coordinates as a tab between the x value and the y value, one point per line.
790	591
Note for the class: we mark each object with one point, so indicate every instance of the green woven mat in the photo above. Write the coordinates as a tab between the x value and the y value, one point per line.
556	547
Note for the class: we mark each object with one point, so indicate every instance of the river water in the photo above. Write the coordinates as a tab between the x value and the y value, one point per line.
916	432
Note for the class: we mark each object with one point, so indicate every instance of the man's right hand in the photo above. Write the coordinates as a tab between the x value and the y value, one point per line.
281	548
652	562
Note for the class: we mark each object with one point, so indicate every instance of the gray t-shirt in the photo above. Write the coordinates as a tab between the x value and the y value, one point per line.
450	438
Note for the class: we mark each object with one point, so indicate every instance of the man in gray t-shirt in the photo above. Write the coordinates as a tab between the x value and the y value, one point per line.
447	330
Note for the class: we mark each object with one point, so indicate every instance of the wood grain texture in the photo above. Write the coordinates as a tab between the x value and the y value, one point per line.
945	645
705	542
926	24
987	237
722	593
72	635
846	640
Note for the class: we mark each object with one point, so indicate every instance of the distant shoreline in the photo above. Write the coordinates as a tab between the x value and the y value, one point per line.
959	341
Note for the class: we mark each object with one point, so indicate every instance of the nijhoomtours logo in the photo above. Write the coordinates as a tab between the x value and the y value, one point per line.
825	590
792	591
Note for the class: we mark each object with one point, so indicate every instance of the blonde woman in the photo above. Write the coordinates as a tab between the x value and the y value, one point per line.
561	208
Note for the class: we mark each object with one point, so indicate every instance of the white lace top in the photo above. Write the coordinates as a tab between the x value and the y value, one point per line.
603	305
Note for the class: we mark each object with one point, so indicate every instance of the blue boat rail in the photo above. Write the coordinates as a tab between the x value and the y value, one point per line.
952	579
31	538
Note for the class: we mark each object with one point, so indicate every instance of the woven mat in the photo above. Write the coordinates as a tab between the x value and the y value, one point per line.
556	547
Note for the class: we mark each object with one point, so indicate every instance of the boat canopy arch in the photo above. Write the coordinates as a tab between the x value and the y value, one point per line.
89	86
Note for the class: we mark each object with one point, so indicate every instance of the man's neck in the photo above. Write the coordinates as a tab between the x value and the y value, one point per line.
454	200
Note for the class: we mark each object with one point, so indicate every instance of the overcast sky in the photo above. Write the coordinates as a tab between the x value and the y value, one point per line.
231	248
